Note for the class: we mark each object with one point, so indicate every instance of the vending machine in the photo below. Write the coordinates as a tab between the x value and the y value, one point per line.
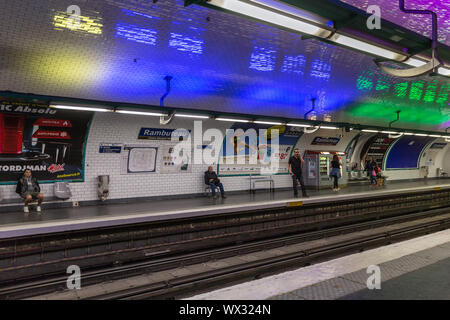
316	170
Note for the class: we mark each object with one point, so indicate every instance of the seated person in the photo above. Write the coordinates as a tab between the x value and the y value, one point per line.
212	180
28	188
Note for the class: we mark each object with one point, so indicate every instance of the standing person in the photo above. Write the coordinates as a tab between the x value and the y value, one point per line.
212	180
371	167
335	172
28	188
295	170
366	165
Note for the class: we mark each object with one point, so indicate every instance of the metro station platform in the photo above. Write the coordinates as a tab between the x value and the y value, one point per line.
17	224
415	269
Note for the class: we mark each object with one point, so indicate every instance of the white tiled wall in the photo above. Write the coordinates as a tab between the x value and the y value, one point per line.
120	128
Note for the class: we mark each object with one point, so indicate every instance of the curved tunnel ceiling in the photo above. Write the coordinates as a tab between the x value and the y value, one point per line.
124	48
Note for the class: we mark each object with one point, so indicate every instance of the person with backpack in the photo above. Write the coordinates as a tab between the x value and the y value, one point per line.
28	188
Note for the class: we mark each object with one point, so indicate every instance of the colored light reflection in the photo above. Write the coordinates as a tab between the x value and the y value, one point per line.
136	33
185	43
382	86
138	14
416	91
320	69
442	96
62	68
85	24
410	113
430	92
364	82
400	89
294	64
263	59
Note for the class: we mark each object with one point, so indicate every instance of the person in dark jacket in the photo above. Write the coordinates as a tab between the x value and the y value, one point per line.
212	180
295	170
335	172
28	188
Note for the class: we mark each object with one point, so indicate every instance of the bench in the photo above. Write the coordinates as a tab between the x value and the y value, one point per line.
208	191
253	180
61	192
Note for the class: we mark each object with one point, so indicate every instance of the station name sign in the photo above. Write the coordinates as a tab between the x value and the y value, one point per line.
325	141
163	134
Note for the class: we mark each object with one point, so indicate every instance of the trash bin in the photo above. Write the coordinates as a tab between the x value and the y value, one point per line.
103	187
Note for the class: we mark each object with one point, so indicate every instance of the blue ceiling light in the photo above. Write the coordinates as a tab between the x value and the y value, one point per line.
185	44
320	69
136	33
294	64
263	59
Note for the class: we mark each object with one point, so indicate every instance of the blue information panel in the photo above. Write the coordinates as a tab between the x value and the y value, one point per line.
110	148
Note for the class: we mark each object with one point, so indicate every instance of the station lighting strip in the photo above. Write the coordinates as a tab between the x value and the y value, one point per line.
293	19
308	128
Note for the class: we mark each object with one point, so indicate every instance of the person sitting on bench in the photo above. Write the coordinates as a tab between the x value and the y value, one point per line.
212	180
28	188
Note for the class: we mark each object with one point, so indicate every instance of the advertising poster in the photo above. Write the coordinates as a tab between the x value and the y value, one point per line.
239	147
46	140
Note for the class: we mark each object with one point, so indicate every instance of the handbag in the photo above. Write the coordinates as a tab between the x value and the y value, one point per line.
373	172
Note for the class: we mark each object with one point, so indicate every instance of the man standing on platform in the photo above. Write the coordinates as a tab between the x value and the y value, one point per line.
295	170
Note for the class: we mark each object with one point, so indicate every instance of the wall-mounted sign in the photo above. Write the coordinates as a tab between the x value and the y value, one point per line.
138	159
110	148
171	162
163	134
438	145
331	141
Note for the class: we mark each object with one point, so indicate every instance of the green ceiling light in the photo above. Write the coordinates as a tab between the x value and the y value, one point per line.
411	113
442	97
400	89
430	92
364	83
416	90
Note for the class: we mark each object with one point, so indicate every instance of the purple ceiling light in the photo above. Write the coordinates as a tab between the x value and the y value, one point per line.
433	64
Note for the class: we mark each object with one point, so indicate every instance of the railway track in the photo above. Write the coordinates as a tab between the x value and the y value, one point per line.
409	225
29	259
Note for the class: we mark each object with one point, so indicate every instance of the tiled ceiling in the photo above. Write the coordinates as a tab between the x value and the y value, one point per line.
124	48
